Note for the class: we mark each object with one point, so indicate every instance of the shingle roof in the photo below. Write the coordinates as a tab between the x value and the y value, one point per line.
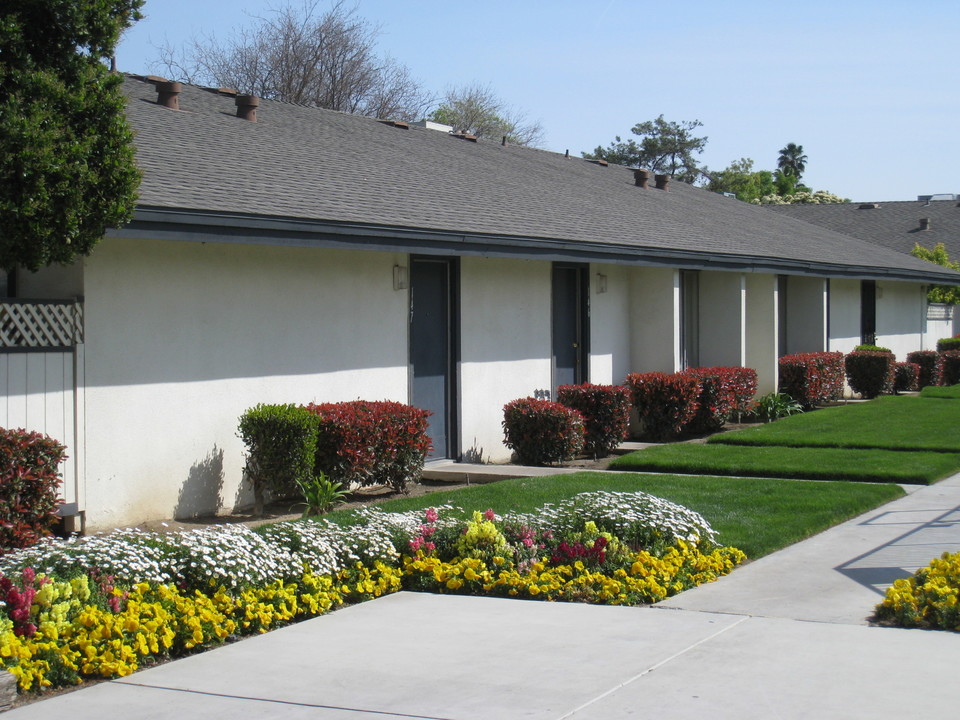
894	225
307	169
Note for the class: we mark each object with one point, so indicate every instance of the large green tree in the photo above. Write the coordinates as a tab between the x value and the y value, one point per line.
67	167
664	147
751	185
792	161
949	294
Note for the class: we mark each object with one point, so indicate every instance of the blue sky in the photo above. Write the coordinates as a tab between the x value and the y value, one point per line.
867	87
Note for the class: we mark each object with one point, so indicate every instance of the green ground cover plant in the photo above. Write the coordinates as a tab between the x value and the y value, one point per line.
758	515
872	465
891	423
945	392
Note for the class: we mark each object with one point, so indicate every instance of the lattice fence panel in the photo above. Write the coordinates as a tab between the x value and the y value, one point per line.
38	324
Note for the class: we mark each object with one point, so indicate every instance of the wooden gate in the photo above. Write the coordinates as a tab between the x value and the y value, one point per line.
41	381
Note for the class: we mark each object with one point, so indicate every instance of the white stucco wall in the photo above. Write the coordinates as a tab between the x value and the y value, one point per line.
901	317
807	307
761	330
844	315
609	325
722	314
182	338
505	346
654	320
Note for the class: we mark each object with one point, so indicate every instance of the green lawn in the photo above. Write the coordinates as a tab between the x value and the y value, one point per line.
891	423
810	463
756	515
949	392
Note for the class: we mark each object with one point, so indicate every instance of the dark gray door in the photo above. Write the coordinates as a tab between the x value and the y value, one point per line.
569	324
432	320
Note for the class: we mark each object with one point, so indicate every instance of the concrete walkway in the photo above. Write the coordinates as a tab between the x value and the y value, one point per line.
783	637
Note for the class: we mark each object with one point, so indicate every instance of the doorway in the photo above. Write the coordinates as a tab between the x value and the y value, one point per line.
571	328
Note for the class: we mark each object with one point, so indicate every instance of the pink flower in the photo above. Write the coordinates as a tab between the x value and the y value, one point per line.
416	543
429	546
432	515
427	530
490	515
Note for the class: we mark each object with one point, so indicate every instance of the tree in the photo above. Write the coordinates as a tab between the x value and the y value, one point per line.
949	294
664	147
476	109
297	55
749	185
67	167
792	161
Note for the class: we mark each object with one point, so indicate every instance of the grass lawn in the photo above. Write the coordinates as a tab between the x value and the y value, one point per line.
788	462
756	515
949	392
891	423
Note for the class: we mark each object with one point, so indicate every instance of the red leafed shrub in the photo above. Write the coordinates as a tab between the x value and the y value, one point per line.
724	391
369	443
665	403
907	377
29	481
870	373
931	366
812	378
542	432
951	367
606	414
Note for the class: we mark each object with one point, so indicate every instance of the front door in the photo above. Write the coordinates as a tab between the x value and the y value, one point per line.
570	324
432	348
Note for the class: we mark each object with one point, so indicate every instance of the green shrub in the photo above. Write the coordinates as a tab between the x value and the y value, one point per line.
606	414
542	432
870	373
774	406
281	445
907	377
951	367
29	480
371	442
871	348
665	403
930	364
945	344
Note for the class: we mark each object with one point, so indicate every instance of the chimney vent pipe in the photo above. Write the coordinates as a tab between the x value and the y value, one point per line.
168	94
924	223
641	178
247	107
662	181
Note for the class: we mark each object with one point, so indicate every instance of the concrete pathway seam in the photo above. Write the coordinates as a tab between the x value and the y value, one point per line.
650	669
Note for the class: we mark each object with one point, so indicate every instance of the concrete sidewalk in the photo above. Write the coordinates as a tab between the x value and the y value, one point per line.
785	636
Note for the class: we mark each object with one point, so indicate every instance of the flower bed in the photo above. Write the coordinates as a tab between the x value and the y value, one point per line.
930	598
104	606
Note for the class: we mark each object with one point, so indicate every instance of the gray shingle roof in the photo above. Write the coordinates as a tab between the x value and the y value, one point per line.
894	225
314	168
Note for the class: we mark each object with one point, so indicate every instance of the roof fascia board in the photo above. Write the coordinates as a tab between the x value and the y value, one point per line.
155	223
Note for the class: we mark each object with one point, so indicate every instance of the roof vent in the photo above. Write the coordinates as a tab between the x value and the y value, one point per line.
395	123
431	125
168	94
247	107
601	163
938	197
924	223
662	181
465	136
869	206
641	178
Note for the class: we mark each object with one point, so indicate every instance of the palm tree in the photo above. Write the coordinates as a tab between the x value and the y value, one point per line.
792	161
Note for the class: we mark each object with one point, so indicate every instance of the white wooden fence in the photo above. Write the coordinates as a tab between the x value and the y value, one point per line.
41	380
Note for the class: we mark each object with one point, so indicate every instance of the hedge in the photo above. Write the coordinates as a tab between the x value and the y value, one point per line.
665	403
371	442
542	432
812	378
951	367
930	364
907	377
945	344
606	414
29	481
870	373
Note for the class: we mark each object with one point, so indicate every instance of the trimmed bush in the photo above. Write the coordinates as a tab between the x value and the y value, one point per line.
870	373
665	403
951	367
281	445
812	378
542	432
29	480
871	348
930	364
368	443
945	344
724	391
907	377
606	414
